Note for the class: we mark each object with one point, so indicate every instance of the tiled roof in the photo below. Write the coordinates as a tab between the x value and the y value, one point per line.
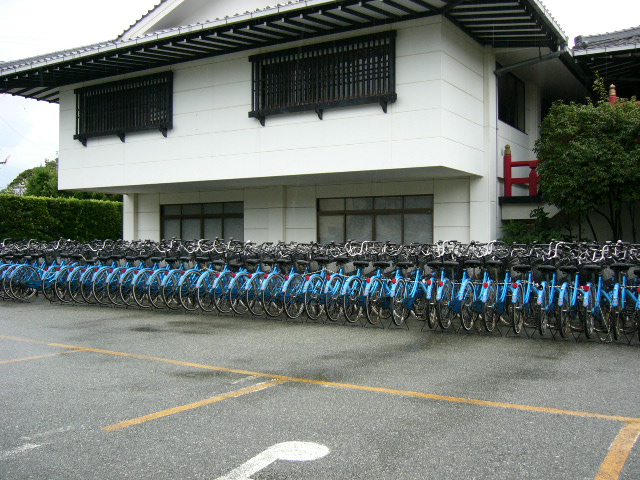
621	38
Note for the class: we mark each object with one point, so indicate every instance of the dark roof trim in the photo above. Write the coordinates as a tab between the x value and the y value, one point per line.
498	23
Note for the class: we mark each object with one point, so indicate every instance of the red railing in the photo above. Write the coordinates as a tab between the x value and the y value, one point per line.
509	180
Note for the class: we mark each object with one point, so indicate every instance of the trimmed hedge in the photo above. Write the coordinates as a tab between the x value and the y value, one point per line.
52	218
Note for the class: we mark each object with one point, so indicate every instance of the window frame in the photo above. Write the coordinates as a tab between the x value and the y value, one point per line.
512	101
373	211
202	216
321	76
130	105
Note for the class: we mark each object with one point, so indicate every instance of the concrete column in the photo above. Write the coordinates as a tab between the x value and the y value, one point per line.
130	216
483	205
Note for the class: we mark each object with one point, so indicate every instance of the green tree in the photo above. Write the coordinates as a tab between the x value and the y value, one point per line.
590	159
42	181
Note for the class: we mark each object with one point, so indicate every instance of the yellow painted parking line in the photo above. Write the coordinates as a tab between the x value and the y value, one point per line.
619	451
37	357
610	469
407	393
191	406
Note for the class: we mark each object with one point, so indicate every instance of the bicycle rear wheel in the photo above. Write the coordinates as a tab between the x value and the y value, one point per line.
443	311
313	304
141	289
254	295
204	291
272	296
332	297
294	297
187	293
399	302
221	293
238	294
489	313
467	313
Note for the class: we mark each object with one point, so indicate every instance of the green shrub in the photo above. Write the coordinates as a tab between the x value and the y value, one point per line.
45	218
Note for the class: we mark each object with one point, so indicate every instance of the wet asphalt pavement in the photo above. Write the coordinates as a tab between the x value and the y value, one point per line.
94	392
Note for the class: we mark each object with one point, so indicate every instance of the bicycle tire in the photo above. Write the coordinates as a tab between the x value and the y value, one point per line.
60	285
221	293
204	291
332	303
467	313
187	294
444	313
254	295
154	289
170	289
272	297
238	295
86	285
351	299
21	279
399	308
99	286
564	327
141	289
313	304
294	297
489	310
517	312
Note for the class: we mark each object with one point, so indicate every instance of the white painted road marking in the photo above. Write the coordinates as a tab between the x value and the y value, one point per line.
288	451
18	450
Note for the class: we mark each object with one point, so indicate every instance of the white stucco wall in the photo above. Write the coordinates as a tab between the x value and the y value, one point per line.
437	121
444	117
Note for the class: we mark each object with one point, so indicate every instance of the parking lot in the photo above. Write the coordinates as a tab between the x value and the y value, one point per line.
114	393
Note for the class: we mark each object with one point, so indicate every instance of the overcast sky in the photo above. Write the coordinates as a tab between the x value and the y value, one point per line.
29	129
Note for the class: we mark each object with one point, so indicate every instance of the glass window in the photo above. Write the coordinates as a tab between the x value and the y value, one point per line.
191	209
171	228
511	101
398	219
388	203
331	204
359	227
203	220
234	228
213	228
359	203
331	228
418	228
389	227
418	201
191	228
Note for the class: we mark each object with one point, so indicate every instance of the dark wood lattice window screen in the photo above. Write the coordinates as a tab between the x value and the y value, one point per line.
116	108
336	74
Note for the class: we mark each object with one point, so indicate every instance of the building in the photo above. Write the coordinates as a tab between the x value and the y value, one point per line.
310	120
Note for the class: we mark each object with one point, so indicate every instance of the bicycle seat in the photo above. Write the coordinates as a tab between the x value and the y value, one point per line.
592	268
235	264
283	261
434	264
547	268
184	258
217	263
404	264
521	268
381	264
322	259
569	269
341	259
302	262
170	259
253	261
360	264
451	263
620	267
494	263
202	259
472	263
